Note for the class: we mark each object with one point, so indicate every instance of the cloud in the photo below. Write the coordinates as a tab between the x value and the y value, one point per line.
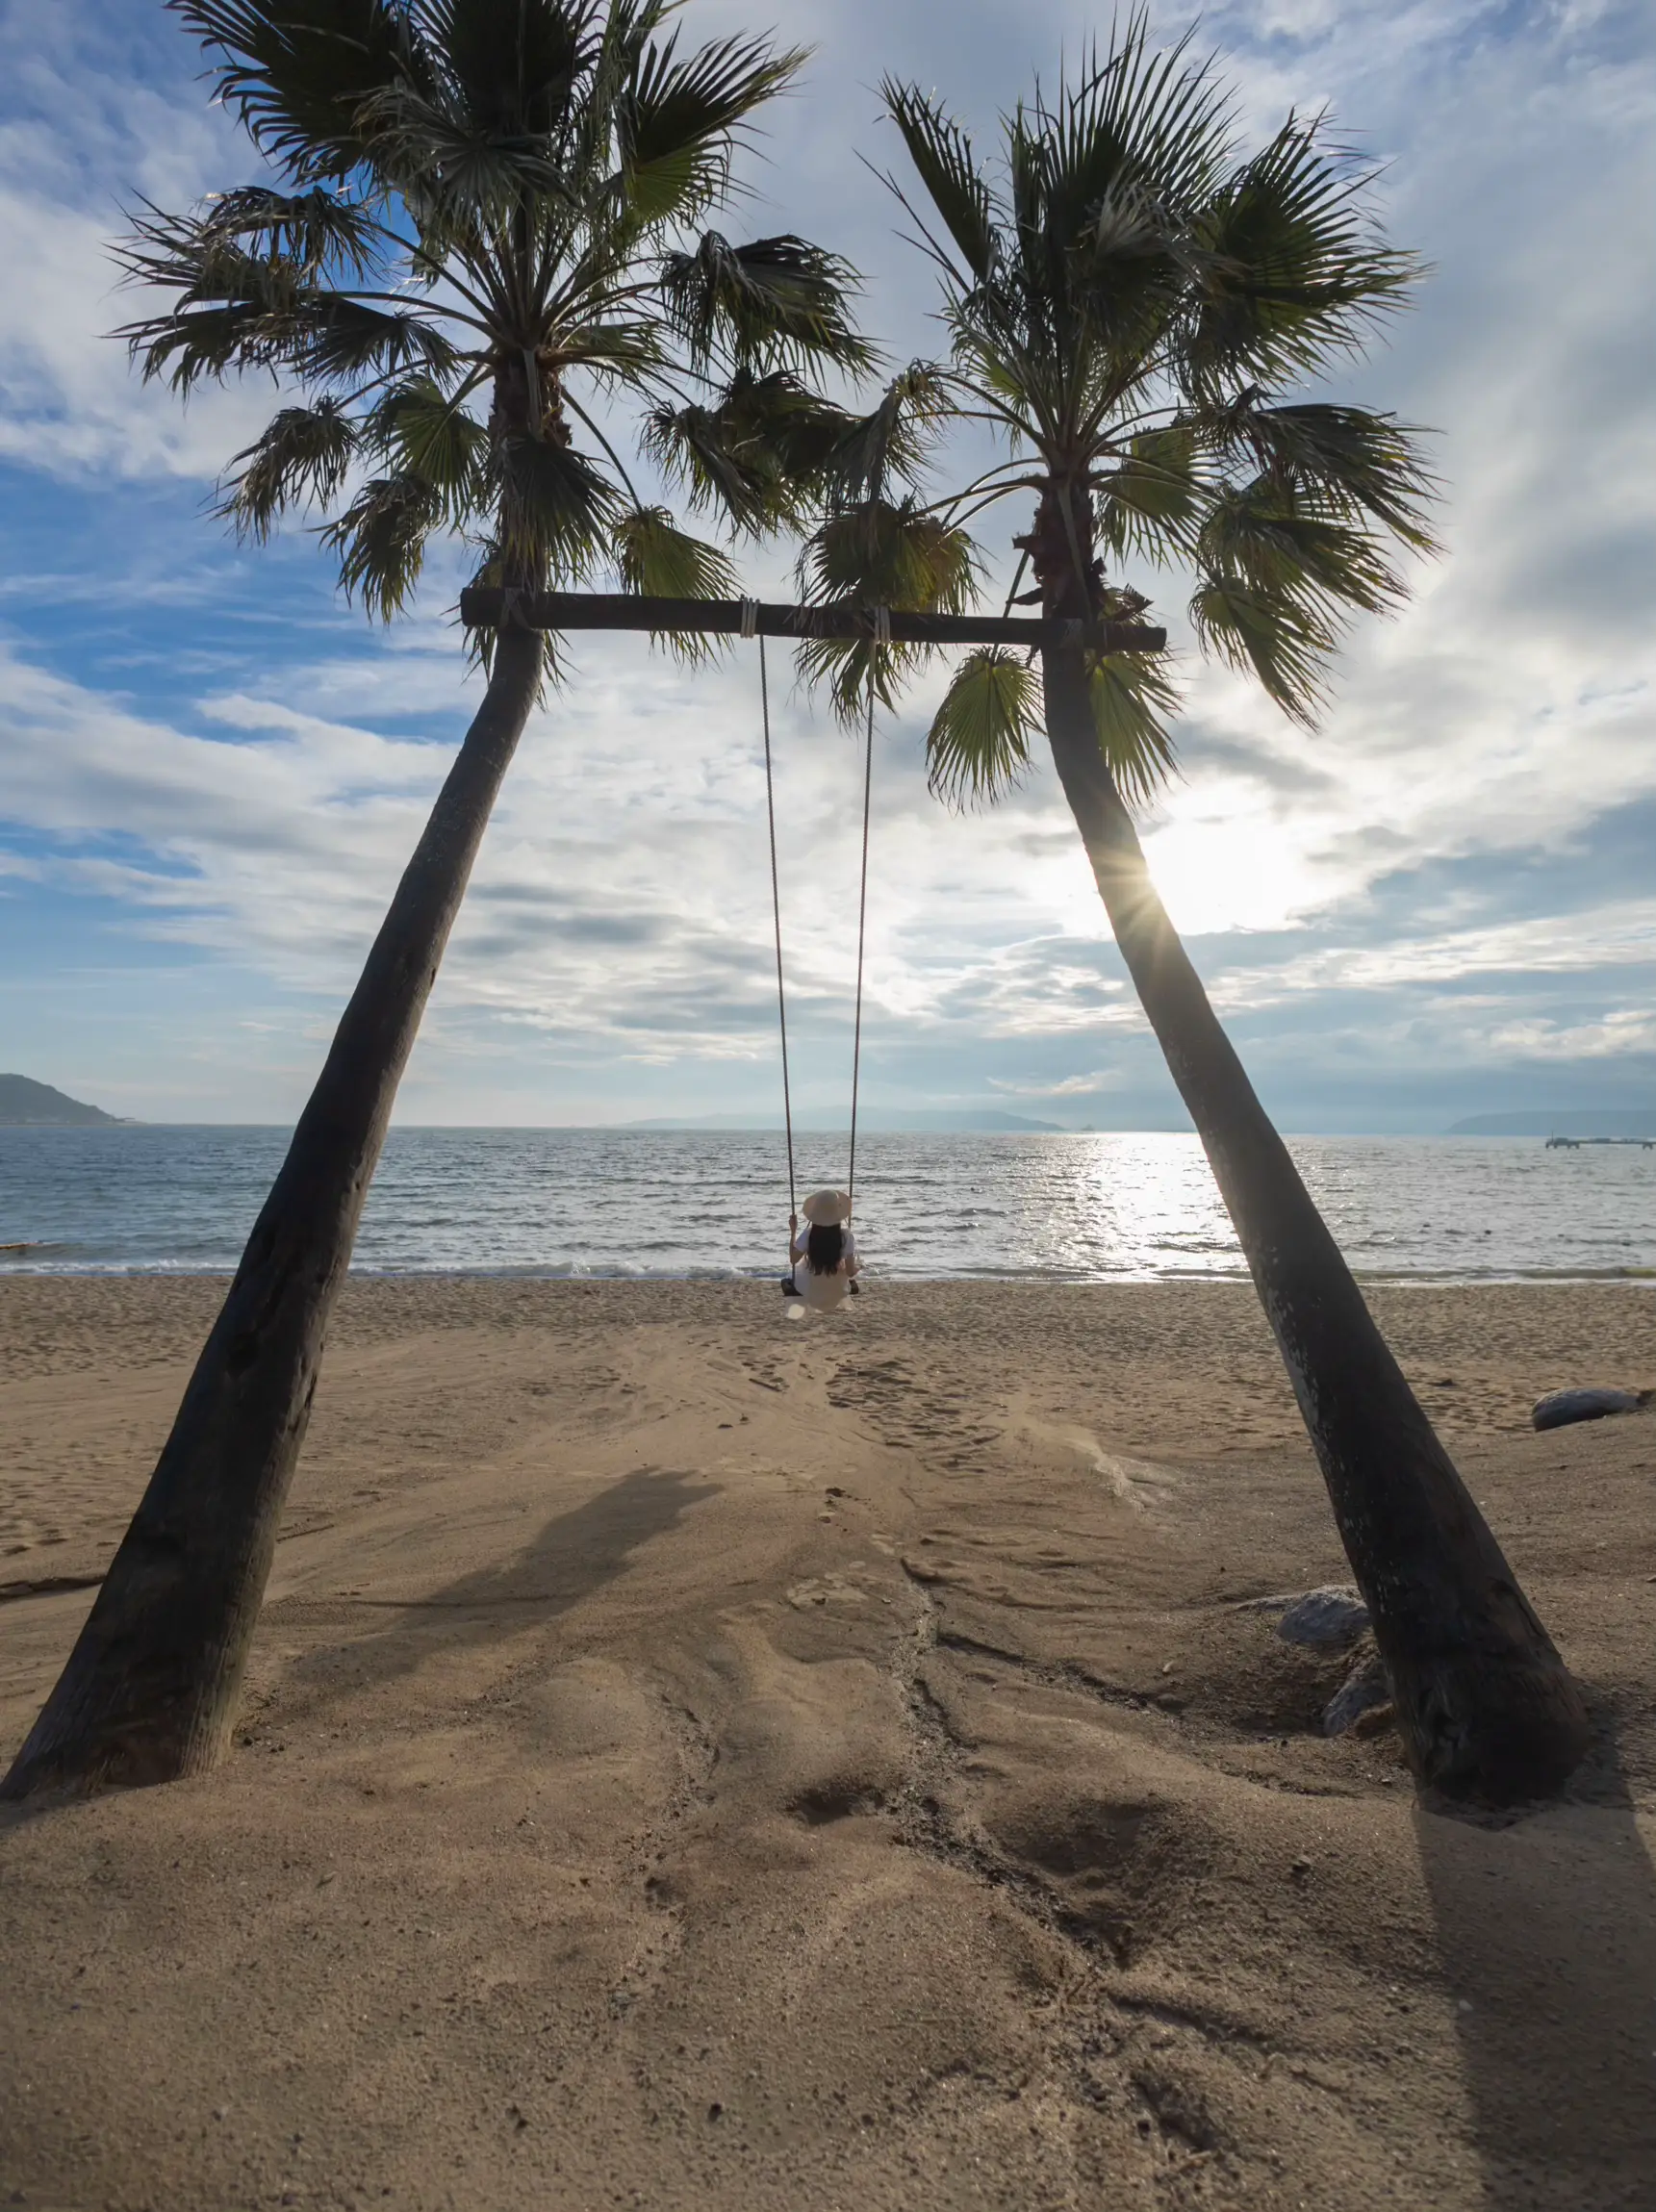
83	136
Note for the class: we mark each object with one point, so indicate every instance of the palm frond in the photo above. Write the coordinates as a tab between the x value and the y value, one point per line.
297	72
1143	130
319	234
1123	275
777	303
888	447
1348	461
1292	275
236	310
1283	641
302	458
509	67
380	542
1132	696
555	508
192	346
978	747
880	554
424	433
1151	500
757	456
944	160
887	554
233	309
625	29
678	122
340	337
1279	586
657	559
456	177
1262	536
627	353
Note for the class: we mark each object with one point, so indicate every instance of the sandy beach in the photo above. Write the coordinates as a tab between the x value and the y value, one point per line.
696	1760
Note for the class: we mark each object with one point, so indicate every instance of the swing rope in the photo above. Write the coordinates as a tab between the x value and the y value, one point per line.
883	636
749	608
861	934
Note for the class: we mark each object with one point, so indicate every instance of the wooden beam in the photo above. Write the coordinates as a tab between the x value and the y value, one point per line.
483	606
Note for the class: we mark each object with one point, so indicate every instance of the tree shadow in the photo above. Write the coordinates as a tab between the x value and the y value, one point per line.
572	1555
1546	1927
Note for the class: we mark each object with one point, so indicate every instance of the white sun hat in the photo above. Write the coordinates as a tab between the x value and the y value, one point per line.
824	1207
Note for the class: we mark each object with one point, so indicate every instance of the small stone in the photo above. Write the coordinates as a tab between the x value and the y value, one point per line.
1327	1620
1593	1403
1366	1688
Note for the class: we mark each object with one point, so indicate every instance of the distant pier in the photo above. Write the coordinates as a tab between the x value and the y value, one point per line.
1575	1143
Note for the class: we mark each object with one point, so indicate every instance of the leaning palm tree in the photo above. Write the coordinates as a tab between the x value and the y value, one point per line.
1131	303
478	241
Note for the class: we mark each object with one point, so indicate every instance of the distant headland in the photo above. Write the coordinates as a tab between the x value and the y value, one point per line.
25	1103
1631	1124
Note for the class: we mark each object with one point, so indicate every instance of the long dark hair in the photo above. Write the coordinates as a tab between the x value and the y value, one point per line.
825	1247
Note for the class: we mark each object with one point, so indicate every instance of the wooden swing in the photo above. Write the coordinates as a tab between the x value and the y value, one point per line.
491	607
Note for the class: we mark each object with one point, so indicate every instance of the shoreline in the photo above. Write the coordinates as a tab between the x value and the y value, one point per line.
873	1274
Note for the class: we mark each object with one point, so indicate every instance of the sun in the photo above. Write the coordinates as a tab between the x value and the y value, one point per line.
1234	873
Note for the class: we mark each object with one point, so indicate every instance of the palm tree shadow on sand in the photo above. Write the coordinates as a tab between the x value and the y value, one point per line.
572	1555
1546	1927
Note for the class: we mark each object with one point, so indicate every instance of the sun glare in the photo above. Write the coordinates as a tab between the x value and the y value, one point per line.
1228	874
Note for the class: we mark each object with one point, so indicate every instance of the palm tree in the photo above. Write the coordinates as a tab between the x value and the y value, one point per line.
477	237
1130	301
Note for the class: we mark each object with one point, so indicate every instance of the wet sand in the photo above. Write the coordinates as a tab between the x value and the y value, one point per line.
696	1760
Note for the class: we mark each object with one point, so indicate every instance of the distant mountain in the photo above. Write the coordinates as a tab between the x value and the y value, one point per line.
917	1124
1557	1125
736	1121
27	1104
944	1124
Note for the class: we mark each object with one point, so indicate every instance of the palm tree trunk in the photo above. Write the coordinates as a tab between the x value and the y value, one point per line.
150	1688
1485	1705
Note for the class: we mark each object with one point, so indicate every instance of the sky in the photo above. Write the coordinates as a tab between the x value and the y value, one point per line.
1439	903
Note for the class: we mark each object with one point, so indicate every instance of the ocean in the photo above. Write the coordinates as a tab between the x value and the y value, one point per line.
607	1201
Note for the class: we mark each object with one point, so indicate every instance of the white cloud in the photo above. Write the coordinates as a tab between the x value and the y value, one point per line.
81	138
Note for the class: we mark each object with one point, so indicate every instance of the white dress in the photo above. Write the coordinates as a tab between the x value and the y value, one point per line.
823	1291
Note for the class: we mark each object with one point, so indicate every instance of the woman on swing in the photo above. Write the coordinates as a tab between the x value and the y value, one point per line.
825	1265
